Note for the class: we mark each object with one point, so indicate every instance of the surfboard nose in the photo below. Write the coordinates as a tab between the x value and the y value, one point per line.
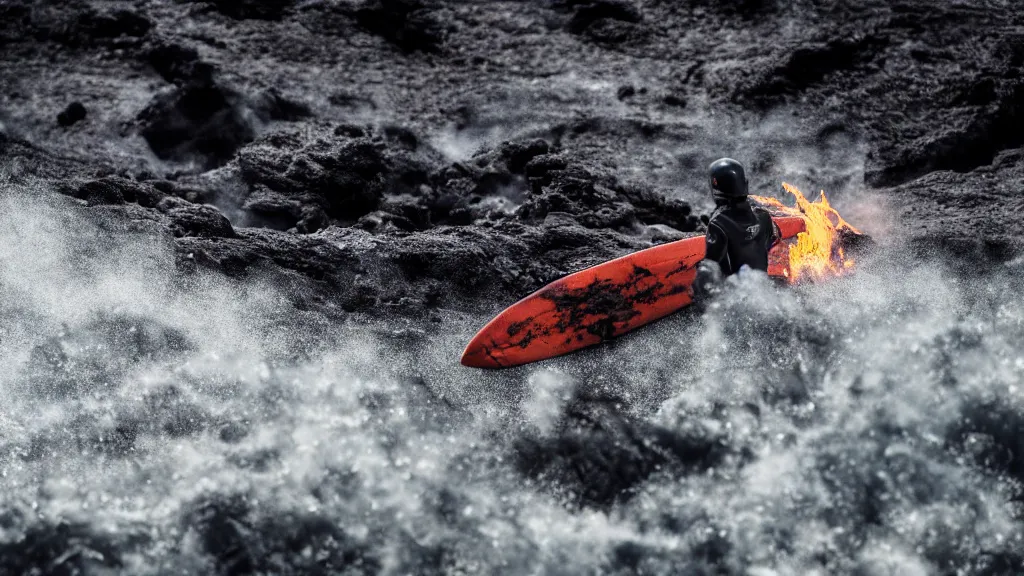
476	355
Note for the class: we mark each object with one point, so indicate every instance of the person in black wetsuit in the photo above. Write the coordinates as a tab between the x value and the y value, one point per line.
738	234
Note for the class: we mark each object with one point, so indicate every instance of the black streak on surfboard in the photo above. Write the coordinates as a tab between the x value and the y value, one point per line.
683	267
602	305
601	308
517	327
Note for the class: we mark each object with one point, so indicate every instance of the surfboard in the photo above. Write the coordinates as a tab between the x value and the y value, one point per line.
602	302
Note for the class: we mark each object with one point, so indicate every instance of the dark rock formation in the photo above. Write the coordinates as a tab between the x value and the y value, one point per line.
189	219
198	122
255	9
56	548
600	455
242	542
408	24
74	113
95	355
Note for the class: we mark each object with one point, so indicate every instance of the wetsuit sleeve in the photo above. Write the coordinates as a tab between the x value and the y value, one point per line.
716	244
774	234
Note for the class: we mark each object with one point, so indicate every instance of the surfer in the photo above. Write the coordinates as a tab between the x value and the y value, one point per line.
738	234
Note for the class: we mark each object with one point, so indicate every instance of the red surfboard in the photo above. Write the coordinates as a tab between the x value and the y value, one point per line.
602	302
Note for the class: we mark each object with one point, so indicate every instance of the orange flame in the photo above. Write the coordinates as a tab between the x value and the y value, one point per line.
818	251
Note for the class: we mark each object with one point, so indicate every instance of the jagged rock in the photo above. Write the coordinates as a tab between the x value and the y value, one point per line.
81	26
203	120
599	454
205	123
519	154
808	65
111	190
948	214
272	105
56	547
255	9
74	113
178	64
344	178
967	145
590	12
241	540
189	219
114	24
115	190
408	24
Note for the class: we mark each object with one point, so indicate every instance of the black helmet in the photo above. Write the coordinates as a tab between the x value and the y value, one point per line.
728	181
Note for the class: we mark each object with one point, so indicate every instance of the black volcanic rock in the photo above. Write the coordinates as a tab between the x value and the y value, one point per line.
188	219
272	105
346	179
201	122
109	190
809	65
359	178
242	541
115	190
74	113
178	64
56	547
519	154
593	197
997	109
13	18
255	9
343	176
969	217
74	25
270	209
609	22
408	24
587	13
599	454
114	24
79	25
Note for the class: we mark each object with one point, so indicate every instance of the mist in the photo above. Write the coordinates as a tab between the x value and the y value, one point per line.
200	421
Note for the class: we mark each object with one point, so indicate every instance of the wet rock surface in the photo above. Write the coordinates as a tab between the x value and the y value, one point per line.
74	113
243	243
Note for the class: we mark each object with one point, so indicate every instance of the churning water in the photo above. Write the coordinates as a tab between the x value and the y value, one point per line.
156	422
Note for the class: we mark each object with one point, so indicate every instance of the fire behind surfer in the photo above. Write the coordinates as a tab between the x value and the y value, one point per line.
738	234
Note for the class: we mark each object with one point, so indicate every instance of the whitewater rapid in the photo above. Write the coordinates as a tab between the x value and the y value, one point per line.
161	419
